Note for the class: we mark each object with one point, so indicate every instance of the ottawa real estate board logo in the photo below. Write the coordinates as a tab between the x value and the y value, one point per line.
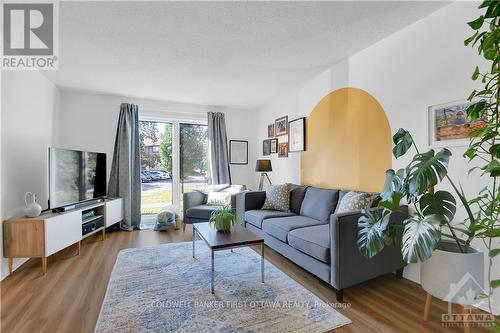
30	36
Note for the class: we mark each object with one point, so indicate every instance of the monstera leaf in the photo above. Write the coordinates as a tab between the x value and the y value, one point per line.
420	238
441	204
402	142
427	170
372	237
393	189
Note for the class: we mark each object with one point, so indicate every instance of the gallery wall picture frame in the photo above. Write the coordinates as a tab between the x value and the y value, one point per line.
274	146
297	135
281	126
270	131
238	152
266	147
448	125
283	149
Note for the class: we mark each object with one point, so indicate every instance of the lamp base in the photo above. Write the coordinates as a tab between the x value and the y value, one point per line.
263	176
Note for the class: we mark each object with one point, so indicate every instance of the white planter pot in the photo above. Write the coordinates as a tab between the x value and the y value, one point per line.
453	276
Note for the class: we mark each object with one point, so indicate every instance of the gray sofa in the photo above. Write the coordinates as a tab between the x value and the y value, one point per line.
315	237
195	208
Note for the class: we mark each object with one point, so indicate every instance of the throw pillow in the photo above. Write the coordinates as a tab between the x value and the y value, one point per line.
319	203
277	198
213	188
219	198
353	201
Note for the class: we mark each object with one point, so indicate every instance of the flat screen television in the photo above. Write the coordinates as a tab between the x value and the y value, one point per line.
75	176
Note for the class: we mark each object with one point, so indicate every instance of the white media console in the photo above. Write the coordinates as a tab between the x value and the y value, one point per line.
44	235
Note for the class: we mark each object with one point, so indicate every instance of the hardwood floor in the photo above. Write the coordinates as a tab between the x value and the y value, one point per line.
68	298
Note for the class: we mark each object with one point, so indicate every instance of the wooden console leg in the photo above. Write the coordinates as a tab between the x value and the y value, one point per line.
103	233
44	265
427	308
464	311
11	263
79	246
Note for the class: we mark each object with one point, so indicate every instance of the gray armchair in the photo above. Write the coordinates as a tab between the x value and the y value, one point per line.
196	210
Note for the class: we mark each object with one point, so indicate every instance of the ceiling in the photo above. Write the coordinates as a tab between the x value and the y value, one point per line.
232	54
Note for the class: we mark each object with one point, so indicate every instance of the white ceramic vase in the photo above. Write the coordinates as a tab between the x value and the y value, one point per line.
32	209
453	276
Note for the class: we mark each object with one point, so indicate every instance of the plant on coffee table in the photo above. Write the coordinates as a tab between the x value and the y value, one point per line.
223	219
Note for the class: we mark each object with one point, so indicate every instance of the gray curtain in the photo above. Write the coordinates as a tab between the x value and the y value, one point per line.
125	178
217	149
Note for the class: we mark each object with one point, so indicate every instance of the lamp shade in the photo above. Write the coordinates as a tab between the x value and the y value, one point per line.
263	166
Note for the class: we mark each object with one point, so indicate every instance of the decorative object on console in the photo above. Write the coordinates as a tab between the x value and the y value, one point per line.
281	126
32	208
296	135
449	125
223	219
274	146
278	198
238	152
266	147
263	166
283	149
270	131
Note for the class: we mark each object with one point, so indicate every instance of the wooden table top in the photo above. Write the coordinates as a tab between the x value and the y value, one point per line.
239	236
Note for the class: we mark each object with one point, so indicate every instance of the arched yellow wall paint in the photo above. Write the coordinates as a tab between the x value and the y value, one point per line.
348	141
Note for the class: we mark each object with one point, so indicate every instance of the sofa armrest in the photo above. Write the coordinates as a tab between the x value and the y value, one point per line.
191	199
348	265
248	201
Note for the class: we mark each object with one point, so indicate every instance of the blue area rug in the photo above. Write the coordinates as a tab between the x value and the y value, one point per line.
163	289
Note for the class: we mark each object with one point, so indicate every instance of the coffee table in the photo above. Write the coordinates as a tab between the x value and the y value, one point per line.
218	241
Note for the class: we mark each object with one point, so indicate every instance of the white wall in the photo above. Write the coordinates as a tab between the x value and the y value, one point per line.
29	109
89	120
423	64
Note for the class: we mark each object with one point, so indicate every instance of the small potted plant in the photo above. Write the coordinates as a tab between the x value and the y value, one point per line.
223	219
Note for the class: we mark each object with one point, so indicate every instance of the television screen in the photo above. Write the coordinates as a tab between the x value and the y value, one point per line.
75	176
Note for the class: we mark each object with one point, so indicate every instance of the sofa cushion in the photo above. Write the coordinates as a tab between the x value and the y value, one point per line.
202	212
313	241
319	203
255	217
277	197
280	227
297	194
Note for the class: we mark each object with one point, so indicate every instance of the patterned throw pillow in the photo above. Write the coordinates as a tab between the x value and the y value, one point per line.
219	198
277	197
353	201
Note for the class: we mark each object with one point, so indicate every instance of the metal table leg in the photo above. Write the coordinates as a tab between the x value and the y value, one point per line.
262	262
194	238
213	271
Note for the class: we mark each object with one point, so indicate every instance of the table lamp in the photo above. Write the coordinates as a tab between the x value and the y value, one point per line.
263	166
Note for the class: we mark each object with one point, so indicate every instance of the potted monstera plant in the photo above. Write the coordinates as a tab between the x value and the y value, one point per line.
430	235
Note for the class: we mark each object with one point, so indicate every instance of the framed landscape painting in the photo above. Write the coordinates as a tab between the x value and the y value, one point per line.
296	135
281	126
448	124
238	152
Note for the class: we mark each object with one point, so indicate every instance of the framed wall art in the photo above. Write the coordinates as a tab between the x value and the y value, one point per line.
266	147
283	149
281	126
296	135
238	152
274	146
270	131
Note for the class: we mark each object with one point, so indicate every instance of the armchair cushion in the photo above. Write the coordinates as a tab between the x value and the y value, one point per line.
279	227
314	241
319	203
256	216
201	212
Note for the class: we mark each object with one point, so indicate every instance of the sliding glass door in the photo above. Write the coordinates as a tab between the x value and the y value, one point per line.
156	165
174	160
193	155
